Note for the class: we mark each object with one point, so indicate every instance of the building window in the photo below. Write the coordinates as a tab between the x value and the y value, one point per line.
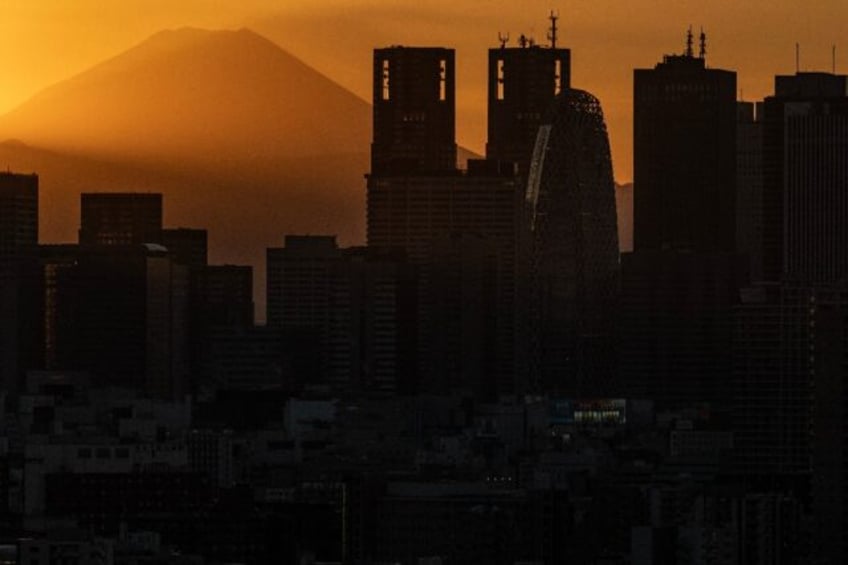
443	77
500	79
385	80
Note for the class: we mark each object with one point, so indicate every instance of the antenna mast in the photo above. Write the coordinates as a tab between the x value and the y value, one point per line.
503	38
703	46
689	52
552	34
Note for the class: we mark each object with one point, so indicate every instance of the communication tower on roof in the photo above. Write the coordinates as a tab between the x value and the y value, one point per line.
552	33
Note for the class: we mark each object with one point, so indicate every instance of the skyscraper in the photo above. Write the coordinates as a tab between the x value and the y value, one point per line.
523	82
20	303
114	218
574	280
805	176
417	200
678	285
684	155
414	110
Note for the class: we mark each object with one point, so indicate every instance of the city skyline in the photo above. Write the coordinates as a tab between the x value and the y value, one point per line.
622	38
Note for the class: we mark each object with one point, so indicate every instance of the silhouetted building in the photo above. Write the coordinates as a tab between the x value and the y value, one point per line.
805	175
418	207
574	271
56	262
789	396
679	284
357	305
422	215
414	110
749	185
684	156
20	300
187	246
223	295
114	218
18	217
523	82
123	316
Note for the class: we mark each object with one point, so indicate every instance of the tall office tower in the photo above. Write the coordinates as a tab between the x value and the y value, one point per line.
413	207
187	246
523	82
678	284
749	185
112	218
414	110
356	305
123	317
805	176
20	300
571	203
684	155
789	390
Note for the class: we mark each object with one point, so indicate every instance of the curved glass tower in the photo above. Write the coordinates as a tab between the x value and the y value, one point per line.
573	250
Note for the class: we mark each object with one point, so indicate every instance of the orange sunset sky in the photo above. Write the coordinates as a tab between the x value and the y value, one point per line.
45	41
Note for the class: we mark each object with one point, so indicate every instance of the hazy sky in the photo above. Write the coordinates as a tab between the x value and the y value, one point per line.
44	41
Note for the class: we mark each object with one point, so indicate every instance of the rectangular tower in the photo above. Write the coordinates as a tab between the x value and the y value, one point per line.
684	156
805	177
523	81
20	302
414	110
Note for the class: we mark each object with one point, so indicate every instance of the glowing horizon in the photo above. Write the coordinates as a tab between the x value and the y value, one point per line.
44	42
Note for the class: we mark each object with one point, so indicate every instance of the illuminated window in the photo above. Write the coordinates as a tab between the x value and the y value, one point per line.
557	77
385	80
443	73
500	79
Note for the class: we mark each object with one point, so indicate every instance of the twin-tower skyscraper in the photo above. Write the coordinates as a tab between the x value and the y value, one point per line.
517	254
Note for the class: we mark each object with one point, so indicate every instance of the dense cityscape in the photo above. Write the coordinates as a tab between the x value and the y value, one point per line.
490	379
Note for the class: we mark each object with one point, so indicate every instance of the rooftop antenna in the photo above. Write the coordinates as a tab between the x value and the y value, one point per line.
797	58
503	38
552	34
703	46
689	51
522	40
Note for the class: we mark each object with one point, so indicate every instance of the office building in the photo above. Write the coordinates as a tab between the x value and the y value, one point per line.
749	185
678	284
523	82
574	268
414	110
114	218
805	174
20	297
122	315
684	155
187	246
356	307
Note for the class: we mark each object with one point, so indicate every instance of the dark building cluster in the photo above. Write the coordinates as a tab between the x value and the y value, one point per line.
486	381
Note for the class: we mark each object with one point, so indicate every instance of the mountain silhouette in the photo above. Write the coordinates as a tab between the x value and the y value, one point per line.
197	95
241	137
